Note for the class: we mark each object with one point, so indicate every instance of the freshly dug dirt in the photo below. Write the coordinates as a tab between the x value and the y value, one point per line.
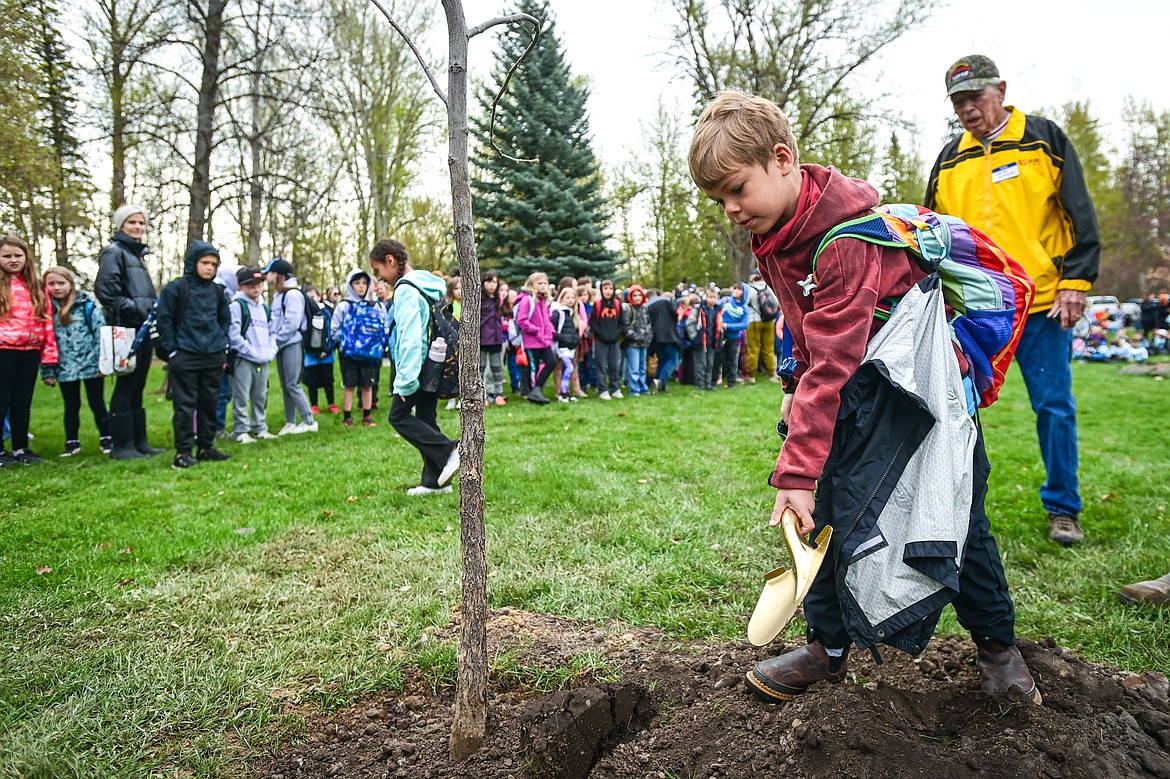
681	710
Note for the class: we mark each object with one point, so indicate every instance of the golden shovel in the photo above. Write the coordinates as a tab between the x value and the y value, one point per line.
784	588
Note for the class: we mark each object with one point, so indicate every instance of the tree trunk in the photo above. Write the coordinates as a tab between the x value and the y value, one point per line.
470	722
118	77
255	188
204	122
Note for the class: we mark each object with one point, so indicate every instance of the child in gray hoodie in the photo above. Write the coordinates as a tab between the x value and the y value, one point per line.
252	346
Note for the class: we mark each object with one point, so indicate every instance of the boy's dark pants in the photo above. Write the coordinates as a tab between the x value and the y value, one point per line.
983	605
195	383
422	431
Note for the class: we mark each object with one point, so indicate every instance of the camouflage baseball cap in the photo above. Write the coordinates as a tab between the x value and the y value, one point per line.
971	74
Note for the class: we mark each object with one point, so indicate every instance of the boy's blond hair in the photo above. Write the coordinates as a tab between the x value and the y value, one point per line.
736	130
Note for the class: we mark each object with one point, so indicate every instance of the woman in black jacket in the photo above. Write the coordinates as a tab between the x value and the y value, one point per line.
127	294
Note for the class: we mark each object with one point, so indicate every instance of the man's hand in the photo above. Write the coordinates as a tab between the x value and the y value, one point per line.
786	406
800	501
1068	307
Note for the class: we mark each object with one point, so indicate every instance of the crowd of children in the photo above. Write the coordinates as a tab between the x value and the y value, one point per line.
218	335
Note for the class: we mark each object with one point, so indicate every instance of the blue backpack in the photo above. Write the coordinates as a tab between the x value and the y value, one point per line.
363	332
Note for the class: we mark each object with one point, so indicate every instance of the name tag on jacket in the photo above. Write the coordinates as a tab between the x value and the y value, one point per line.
1005	172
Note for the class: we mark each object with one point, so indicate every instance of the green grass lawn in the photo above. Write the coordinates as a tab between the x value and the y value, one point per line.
184	609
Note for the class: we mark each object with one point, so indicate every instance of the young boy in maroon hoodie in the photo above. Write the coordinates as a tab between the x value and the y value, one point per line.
744	157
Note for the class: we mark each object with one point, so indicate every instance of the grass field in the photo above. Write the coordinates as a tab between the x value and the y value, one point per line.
183	609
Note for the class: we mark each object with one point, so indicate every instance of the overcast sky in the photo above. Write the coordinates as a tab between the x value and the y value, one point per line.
1049	52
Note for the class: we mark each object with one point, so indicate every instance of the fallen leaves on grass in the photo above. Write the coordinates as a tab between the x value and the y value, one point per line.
245	531
43	569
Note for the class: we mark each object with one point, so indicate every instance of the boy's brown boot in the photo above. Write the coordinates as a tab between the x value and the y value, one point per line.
1002	667
780	679
1155	592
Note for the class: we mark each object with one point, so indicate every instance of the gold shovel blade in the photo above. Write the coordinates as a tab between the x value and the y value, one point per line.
775	607
784	590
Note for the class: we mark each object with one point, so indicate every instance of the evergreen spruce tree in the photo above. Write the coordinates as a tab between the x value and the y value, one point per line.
547	215
67	187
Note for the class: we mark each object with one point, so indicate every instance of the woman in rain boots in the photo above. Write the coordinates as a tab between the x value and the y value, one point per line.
127	294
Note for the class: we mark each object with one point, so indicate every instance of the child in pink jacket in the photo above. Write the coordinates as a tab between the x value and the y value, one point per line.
26	342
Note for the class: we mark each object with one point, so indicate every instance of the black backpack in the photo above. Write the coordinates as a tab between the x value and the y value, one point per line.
314	328
440	377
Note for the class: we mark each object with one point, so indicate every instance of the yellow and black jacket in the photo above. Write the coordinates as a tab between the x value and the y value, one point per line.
1027	192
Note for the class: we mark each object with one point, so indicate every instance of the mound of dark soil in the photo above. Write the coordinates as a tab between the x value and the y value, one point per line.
681	710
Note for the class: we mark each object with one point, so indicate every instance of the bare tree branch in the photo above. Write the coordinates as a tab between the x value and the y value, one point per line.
517	17
418	55
508	77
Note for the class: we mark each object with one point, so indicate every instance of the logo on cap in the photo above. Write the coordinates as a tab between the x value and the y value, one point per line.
960	72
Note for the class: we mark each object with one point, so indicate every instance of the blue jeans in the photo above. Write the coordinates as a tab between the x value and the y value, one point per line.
1043	355
636	370
669	356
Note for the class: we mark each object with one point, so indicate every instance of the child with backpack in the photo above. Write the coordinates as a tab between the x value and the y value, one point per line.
26	342
251	346
708	338
318	371
605	325
292	312
637	335
736	318
77	320
360	324
413	408
492	309
744	157
763	308
193	320
566	325
536	335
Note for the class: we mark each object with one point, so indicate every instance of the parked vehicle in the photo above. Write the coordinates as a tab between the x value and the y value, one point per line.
1106	303
1131	309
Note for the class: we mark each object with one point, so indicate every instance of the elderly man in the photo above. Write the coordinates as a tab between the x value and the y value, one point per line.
1017	178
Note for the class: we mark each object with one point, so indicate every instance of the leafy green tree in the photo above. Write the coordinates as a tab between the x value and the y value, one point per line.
545	214
903	178
23	156
678	240
67	187
804	55
378	107
1135	215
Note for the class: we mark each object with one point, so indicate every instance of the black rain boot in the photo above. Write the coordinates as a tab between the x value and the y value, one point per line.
122	433
140	442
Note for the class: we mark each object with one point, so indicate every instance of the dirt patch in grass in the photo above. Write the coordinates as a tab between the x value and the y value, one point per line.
645	707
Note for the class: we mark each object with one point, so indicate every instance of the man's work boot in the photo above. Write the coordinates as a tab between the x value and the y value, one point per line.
1002	667
780	679
1065	529
1152	593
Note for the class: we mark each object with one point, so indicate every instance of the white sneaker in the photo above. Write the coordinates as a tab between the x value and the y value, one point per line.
307	427
452	404
288	429
604	396
263	434
451	468
421	490
617	395
244	438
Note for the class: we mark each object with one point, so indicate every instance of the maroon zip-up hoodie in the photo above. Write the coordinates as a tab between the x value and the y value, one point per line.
831	327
